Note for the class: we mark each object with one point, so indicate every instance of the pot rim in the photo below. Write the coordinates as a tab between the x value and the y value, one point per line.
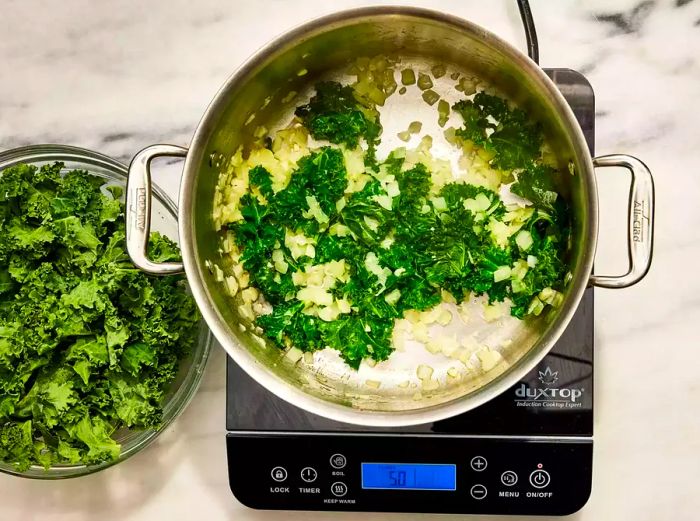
339	412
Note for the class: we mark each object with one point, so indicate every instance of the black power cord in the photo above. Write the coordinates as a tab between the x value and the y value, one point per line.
533	49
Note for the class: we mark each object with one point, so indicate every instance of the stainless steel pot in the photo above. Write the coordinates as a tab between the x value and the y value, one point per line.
257	93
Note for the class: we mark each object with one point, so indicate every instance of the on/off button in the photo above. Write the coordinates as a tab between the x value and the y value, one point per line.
539	478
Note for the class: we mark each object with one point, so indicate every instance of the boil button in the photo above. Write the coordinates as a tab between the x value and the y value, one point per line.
338	461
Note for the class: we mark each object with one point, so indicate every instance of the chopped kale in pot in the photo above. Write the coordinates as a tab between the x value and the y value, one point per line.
337	245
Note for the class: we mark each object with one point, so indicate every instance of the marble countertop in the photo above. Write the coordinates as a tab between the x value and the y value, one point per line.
122	75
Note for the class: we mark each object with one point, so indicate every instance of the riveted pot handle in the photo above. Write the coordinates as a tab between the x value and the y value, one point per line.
640	235
138	209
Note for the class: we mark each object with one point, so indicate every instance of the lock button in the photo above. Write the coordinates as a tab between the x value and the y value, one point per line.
279	474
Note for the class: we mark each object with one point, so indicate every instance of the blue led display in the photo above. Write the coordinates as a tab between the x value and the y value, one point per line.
409	476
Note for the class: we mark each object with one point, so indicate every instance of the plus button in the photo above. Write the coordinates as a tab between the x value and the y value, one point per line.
478	463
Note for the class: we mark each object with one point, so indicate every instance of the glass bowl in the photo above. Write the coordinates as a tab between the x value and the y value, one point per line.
164	220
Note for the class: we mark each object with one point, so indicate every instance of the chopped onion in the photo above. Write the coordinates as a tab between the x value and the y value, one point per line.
430	97
408	77
424	372
502	273
294	354
524	240
438	70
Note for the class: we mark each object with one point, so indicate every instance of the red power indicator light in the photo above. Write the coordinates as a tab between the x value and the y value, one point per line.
539	465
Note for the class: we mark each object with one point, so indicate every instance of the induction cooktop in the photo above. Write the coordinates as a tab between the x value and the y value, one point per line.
528	451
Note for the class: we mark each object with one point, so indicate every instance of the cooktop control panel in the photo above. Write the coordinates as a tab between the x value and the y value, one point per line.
405	473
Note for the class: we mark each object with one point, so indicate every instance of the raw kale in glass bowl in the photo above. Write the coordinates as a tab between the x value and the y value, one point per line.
189	370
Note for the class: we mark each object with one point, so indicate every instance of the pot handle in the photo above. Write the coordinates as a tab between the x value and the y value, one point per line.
138	209
640	234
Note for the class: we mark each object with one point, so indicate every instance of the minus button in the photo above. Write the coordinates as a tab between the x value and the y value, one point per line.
478	491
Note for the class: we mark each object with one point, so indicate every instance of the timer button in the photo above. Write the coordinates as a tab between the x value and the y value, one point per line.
338	461
309	474
339	489
539	478
478	463
478	491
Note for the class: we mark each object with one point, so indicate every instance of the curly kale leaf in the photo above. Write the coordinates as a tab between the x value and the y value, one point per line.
360	336
369	221
513	137
322	175
261	178
536	183
17	444
334	114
